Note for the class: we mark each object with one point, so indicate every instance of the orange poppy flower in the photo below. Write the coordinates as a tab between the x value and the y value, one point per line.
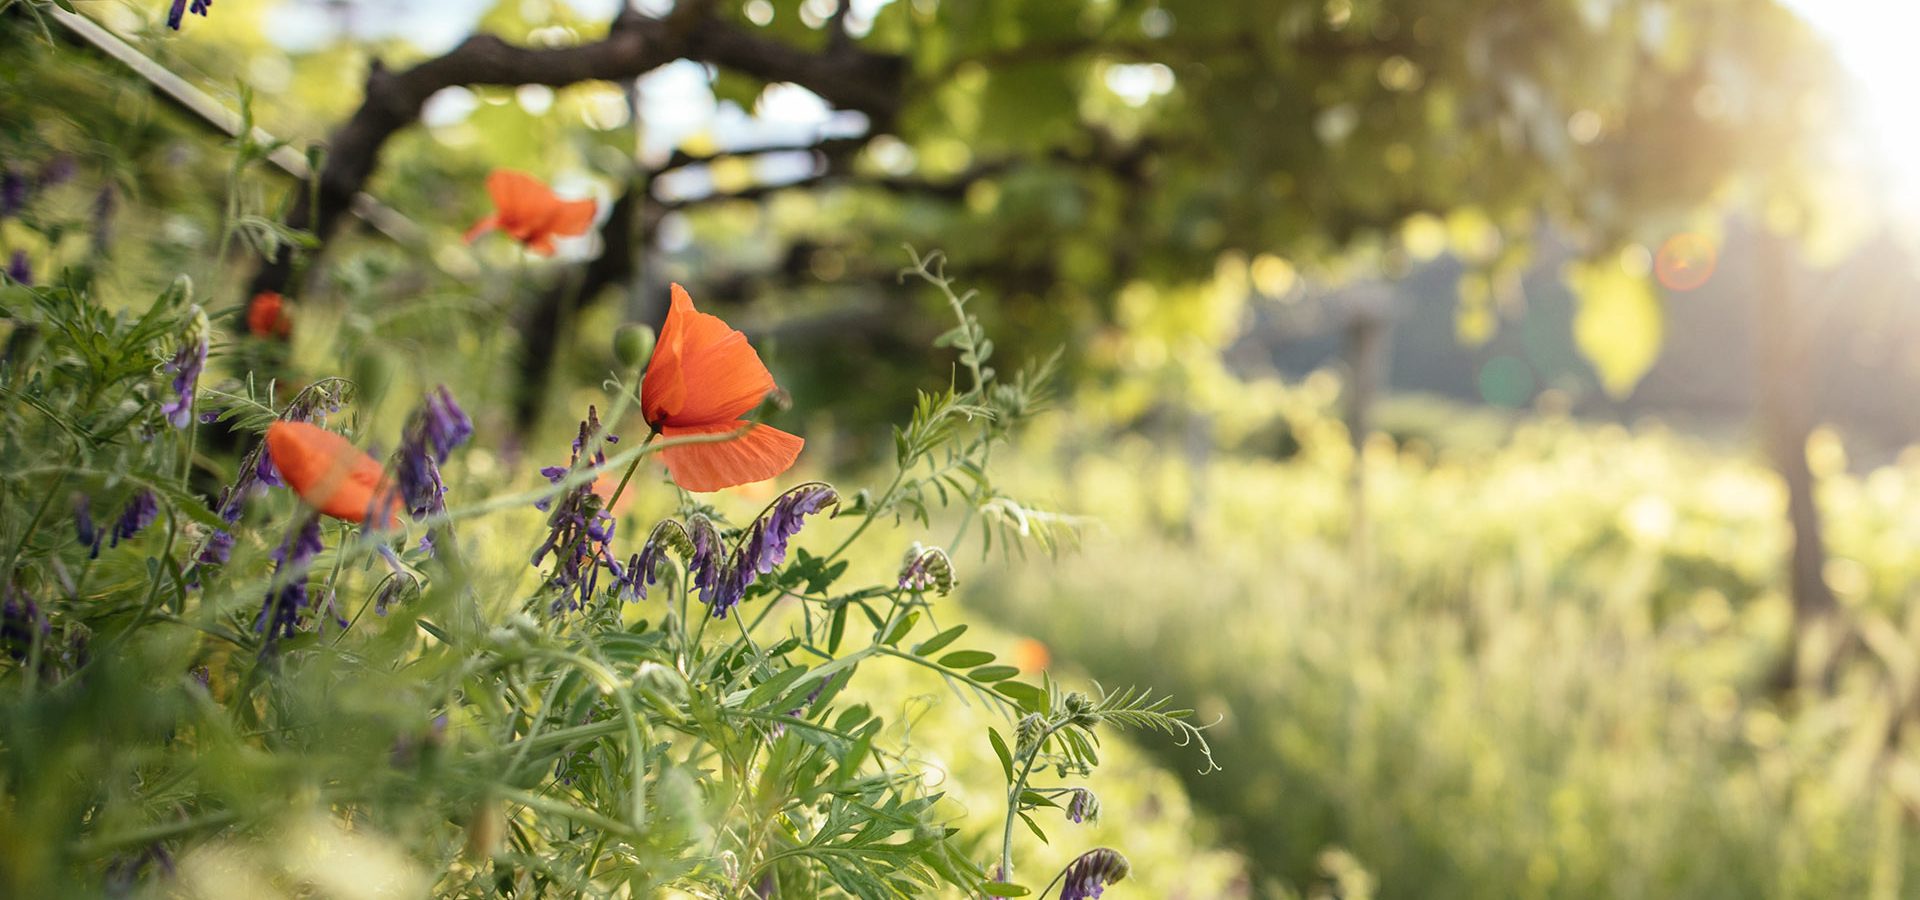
529	210
267	315
328	472
703	377
1031	656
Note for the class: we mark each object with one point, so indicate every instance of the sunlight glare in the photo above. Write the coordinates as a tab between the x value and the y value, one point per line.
1874	42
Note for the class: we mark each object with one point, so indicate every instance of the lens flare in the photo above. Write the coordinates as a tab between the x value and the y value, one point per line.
1685	262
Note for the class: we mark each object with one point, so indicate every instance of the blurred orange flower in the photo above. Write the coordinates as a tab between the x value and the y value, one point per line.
329	473
703	377
1030	655
603	487
267	315
530	212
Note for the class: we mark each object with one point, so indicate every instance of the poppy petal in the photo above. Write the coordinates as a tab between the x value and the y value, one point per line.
698	349
664	389
482	227
761	453
516	193
572	218
327	471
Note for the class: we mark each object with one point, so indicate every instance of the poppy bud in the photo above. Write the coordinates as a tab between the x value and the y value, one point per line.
633	345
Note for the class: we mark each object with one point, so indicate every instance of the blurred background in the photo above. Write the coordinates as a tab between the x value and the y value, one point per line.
1495	414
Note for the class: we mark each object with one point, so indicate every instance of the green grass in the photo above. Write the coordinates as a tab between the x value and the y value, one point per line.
1542	674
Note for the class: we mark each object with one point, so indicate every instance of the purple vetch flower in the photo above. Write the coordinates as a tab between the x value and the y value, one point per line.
256	474
83	528
20	269
926	568
1083	806
13	193
765	545
708	559
580	530
447	426
643	568
101	217
139	512
761	547
58	171
433	432
21	623
178	11
1088	876
185	366
280	612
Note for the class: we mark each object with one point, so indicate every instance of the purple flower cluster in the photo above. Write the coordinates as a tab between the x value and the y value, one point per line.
21	623
643	568
186	366
1089	875
437	427
723	581
141	509
13	193
580	531
1082	805
20	269
179	9
280	612
256	474
927	568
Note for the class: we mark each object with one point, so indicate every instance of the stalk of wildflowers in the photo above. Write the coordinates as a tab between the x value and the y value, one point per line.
643	568
432	433
280	611
579	530
762	547
186	366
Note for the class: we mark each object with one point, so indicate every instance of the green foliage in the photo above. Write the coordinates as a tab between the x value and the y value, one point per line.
1553	672
484	736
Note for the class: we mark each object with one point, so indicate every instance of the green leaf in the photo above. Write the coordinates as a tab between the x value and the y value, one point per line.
1030	698
772	687
1000	749
837	630
966	659
1003	889
934	644
901	628
993	673
1035	828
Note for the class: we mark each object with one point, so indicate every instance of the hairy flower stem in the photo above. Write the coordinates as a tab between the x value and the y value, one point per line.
1014	791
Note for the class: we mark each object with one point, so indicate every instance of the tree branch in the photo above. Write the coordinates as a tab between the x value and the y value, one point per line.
848	77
